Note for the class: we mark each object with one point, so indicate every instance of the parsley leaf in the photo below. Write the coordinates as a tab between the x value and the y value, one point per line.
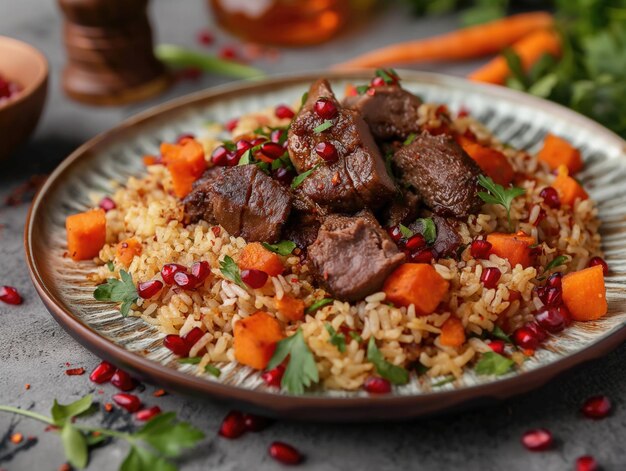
498	333
355	336
386	75
303	176
168	436
323	127
301	370
119	291
428	229
405	231
560	260
64	413
337	339
111	266
213	370
497	194
141	459
305	97
318	305
284	247
409	140
361	89
395	374
230	270
190	360
492	363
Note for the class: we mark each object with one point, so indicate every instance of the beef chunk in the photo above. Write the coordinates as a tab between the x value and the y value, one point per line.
391	112
443	174
243	200
448	238
353	255
358	179
304	222
402	210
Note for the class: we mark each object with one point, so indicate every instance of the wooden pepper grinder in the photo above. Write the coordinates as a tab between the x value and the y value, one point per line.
110	52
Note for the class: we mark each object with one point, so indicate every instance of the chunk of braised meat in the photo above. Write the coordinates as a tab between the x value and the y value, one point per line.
243	200
390	111
353	255
442	173
403	209
448	238
353	177
304	221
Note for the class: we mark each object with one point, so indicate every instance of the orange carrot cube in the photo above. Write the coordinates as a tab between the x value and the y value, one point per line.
86	234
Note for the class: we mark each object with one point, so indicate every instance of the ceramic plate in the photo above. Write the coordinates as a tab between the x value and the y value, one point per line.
515	118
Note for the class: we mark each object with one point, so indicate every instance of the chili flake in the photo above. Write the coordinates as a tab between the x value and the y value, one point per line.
75	371
17	438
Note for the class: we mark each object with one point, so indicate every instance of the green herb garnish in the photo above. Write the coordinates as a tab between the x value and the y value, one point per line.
118	291
303	176
409	140
498	333
386	75
429	229
337	339
213	370
560	260
497	194
395	374
190	360
405	231
284	247
444	381
361	89
301	370
355	336
318	305
111	266
323	127
230	270
492	363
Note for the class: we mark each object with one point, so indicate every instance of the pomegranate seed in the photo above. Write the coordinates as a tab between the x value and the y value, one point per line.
480	248
107	204
123	381
587	463
284	176
274	377
415	242
242	146
272	150
284	112
227	52
146	414
148	289
254	278
551	297
276	135
325	108
327	151
258	141
539	439
185	280
497	346
378	82
550	197
599	261
596	407
423	255
553	319
376	385
130	402
525	337
168	271
10	295
200	270
537	331
205	38
256	423
232	159
102	373
284	453
220	156
490	277
233	425
176	345
554	280
395	233
231	124
192	337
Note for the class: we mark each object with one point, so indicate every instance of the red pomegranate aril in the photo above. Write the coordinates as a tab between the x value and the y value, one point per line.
376	385
276	135
185	280
242	145
415	242
274	377
283	112
10	295
192	337
169	270
130	402
149	289
325	108
146	414
596	407
231	124
480	248
327	151
526	338
254	278
102	373
227	52
284	176
537	331
176	344
205	38
272	150
123	381
497	346
550	197
599	261
539	439
587	463
490	277
233	425
200	270
257	141
232	159
423	255
551	297
285	453
554	280
553	319
107	204
256	423
378	82
395	233
220	156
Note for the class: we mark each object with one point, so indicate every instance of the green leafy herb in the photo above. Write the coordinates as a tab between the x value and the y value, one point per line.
190	360
65	413
213	370
230	270
337	339
409	140
420	368
428	229
498	333
284	247
444	381
395	374
492	363
245	158
405	231
305	97
111	266
118	291
386	75
301	370
74	446
361	89
303	176
319	304
389	164
355	336
558	261
323	127
497	194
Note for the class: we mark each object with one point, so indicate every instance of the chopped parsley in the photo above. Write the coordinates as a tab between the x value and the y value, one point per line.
323	127
213	370
405	231
409	140
498	333
318	305
388	75
560	260
118	291
305	97
355	336
303	176
361	89
492	363
301	370
395	374
284	247
497	194
230	270
111	266
429	230
190	360
337	339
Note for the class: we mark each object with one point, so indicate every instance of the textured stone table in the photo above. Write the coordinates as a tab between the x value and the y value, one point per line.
34	349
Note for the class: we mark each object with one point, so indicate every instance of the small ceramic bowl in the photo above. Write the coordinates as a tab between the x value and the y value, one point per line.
24	65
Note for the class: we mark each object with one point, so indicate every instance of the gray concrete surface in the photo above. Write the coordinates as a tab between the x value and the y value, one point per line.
34	349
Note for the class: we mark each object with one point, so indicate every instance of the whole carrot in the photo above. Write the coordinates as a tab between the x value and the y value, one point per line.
466	43
529	49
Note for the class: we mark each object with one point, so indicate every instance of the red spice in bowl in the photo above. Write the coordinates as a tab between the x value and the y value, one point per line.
8	90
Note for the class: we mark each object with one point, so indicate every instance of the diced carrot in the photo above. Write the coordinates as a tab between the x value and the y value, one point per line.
149	160
418	284
126	250
256	257
584	294
452	333
569	189
514	247
557	151
290	307
490	161
350	90
186	163
256	338
86	234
